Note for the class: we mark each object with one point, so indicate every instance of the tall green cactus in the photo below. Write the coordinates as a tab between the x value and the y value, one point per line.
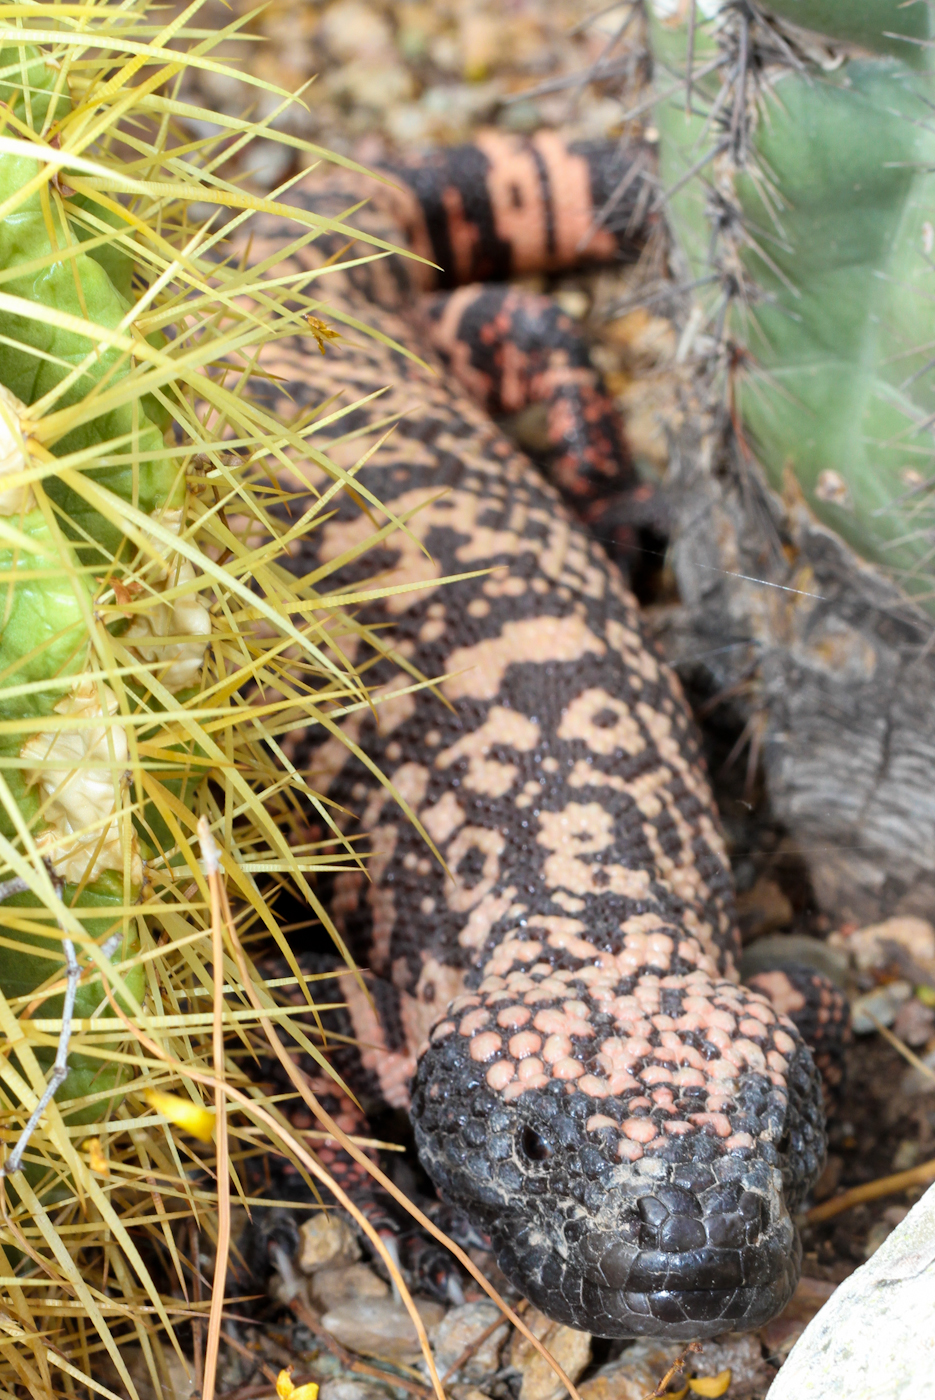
798	169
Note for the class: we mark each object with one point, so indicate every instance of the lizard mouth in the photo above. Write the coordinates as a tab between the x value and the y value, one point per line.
616	1289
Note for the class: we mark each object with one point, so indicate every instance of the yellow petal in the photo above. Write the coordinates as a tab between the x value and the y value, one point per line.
926	995
96	1159
676	1394
710	1385
285	1390
191	1117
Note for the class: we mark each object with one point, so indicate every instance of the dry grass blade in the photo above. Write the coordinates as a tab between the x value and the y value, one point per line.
155	649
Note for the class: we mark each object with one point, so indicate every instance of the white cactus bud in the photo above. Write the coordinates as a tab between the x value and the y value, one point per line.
82	800
187	616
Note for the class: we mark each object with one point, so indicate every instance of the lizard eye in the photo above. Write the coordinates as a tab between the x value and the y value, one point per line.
534	1146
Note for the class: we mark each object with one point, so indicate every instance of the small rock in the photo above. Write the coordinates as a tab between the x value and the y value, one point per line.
873	1340
571	1349
775	949
878	1007
742	1355
332	1286
481	45
867	946
907	1155
634	1374
341	1388
381	1326
459	1329
368	84
895	1215
875	1236
327	1242
352	30
914	1022
764	909
574	302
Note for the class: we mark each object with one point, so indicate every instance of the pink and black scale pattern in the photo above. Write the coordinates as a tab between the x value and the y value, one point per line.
593	1087
661	1123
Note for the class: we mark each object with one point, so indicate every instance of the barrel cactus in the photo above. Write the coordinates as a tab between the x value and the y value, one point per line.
153	648
800	175
796	148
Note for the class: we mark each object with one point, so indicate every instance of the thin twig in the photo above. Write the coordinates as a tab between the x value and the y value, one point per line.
871	1191
677	1364
60	1067
909	1055
209	852
602	59
610	70
610	204
12	887
198	1323
583	24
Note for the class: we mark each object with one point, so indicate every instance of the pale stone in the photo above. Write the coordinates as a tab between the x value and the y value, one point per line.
329	1287
633	1375
327	1242
459	1329
874	1339
341	1388
381	1326
352	30
879	1007
867	946
570	1348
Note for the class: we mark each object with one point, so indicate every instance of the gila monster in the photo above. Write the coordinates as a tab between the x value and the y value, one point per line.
588	1080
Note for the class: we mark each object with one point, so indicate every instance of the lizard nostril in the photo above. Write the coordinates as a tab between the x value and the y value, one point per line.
534	1146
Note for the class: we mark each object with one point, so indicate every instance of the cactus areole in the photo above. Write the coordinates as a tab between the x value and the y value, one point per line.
797	170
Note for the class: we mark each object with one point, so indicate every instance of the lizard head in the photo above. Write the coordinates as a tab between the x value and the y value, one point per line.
635	1159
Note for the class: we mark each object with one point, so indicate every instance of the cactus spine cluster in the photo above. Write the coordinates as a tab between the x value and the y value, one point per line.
797	151
153	646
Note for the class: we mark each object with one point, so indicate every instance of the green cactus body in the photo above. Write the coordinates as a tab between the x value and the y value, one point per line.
91	286
46	598
822	190
43	643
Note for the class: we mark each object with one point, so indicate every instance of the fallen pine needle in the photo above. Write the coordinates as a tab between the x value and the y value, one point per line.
871	1190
